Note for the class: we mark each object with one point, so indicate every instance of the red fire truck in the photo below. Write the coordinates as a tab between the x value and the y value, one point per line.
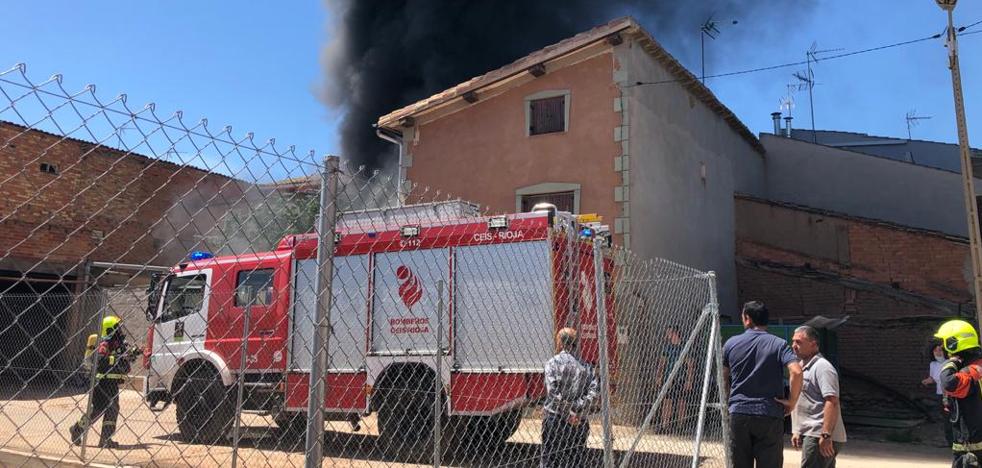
509	283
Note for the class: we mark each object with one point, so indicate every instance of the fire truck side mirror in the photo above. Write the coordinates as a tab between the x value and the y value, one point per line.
153	295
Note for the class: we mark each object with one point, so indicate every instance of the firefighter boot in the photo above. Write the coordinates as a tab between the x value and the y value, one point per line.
76	432
106	437
108	443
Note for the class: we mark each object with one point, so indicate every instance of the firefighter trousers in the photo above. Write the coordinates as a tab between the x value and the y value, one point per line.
105	404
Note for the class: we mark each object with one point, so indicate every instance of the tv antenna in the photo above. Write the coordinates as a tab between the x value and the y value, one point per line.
913	120
786	103
711	29
806	79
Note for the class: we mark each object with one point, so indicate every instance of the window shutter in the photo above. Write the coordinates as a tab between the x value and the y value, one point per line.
547	115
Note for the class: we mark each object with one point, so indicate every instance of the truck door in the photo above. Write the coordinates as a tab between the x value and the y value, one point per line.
181	321
349	311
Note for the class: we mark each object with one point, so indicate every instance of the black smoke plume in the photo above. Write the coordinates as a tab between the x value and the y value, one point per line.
385	54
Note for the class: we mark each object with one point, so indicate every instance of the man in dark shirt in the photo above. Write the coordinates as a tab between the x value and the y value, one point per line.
673	409
754	364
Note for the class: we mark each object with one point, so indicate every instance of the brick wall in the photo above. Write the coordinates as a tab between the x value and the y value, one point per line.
100	204
104	204
896	283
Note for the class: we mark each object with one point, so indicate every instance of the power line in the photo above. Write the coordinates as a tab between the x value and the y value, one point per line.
799	63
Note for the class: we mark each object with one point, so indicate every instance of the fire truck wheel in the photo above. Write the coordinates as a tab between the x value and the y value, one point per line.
205	408
291	423
405	418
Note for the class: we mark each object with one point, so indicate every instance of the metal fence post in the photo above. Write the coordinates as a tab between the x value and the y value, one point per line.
95	366
711	351
676	370
438	383
601	300
240	380
720	382
325	274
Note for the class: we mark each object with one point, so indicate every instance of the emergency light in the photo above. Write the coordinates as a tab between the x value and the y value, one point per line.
586	232
409	231
498	222
200	255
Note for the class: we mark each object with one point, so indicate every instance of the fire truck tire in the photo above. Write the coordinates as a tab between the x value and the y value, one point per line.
405	418
292	423
205	407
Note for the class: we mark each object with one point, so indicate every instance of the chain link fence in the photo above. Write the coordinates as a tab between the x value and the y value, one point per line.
281	310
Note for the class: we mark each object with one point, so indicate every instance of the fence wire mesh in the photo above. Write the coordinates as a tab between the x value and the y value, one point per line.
439	316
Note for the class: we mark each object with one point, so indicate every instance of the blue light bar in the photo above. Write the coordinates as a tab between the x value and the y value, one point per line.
586	232
199	255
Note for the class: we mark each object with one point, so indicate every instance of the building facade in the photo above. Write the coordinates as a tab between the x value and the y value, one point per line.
65	203
570	124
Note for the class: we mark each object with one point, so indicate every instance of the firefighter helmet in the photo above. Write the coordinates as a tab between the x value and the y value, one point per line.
957	336
109	325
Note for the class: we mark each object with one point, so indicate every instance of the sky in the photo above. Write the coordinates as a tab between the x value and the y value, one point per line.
257	65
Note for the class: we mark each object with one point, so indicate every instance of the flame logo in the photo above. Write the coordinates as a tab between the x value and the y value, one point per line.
410	289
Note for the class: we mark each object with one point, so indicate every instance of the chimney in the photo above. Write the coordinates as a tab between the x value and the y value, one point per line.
776	116
787	126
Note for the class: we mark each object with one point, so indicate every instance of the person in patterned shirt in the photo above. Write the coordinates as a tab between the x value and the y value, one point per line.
571	390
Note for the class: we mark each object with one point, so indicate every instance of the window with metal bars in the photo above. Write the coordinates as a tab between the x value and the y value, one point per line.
564	201
547	115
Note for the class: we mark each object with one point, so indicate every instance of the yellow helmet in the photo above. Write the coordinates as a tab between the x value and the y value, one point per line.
957	336
109	325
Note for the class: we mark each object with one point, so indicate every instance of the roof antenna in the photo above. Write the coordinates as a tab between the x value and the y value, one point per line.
913	120
806	79
786	104
709	28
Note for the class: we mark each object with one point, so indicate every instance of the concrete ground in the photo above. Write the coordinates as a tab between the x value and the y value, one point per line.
867	454
33	432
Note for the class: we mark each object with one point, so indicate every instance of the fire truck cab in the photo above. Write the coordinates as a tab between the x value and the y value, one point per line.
508	284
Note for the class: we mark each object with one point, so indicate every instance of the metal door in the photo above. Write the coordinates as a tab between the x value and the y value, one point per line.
346	347
503	306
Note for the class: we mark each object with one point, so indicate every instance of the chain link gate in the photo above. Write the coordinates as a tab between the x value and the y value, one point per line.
428	350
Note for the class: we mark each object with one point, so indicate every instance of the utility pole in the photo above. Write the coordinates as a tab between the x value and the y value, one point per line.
971	207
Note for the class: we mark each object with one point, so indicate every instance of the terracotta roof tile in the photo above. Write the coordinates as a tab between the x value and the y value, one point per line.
650	45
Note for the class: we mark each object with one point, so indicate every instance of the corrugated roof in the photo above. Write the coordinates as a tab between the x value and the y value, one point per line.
566	46
106	148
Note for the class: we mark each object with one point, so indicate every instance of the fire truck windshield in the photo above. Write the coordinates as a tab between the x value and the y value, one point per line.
183	296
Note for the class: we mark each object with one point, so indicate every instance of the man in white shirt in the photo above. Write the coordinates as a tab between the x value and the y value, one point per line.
816	422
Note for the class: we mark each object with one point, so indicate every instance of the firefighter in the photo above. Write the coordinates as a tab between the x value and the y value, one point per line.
961	376
113	364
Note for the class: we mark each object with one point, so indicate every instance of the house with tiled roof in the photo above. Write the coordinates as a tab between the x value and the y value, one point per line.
578	124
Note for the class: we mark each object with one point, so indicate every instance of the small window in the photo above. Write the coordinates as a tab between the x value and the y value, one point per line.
563	200
547	115
48	168
185	295
261	283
